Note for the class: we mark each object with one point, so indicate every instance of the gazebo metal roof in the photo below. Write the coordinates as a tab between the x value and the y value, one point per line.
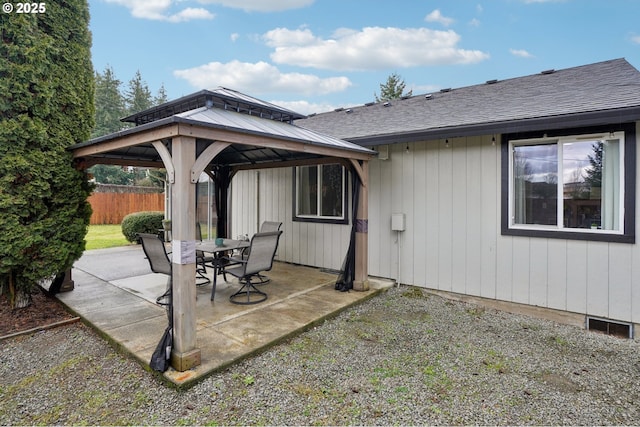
210	112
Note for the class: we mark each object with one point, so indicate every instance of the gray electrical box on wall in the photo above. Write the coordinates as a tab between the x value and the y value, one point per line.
397	222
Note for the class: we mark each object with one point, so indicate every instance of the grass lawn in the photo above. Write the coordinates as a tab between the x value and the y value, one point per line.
105	236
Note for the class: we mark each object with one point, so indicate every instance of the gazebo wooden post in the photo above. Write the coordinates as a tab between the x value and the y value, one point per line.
361	280
184	354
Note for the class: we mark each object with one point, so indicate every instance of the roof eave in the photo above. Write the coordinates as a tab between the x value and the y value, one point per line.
594	118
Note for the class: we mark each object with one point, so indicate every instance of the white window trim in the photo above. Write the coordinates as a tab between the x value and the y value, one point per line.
319	195
560	141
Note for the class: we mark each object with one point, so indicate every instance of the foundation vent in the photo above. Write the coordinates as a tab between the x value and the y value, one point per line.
609	327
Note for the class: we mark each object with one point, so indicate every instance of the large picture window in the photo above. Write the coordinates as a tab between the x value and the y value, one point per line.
574	185
320	193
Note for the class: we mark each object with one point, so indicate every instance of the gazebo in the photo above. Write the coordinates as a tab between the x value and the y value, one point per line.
221	132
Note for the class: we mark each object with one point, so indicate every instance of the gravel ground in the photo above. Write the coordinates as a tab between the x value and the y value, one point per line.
404	357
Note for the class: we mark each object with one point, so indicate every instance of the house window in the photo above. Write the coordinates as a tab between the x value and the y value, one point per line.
320	193
571	186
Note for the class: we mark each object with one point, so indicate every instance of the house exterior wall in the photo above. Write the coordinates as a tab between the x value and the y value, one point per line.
451	198
267	195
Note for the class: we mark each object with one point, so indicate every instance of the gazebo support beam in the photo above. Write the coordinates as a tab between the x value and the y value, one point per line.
361	280
184	354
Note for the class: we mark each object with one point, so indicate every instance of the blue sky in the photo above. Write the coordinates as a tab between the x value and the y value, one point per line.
318	55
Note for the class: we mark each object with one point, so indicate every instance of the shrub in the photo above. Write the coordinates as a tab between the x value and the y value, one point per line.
47	104
141	222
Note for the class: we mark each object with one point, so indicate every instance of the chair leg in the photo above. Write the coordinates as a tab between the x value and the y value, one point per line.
165	298
201	274
247	294
262	280
201	279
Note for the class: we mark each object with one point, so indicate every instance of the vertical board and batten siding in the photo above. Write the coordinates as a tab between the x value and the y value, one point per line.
244	200
451	197
267	195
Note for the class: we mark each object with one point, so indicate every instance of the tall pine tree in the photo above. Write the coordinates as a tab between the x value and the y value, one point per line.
109	104
47	87
393	88
112	104
138	96
161	97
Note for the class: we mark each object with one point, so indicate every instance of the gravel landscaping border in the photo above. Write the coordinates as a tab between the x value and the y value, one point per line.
403	357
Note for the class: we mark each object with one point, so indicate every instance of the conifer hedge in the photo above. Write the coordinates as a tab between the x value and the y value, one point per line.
46	105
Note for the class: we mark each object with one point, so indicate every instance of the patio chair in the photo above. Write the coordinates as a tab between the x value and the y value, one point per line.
261	254
156	253
265	227
270	226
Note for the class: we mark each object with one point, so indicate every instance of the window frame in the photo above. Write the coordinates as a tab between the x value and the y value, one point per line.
628	186
343	219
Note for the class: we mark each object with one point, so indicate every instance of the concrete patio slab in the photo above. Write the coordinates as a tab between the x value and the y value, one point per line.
115	292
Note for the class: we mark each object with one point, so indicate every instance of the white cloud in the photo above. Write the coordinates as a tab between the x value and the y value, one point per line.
259	77
521	53
285	37
156	10
425	89
635	39
304	107
190	14
261	5
436	16
372	48
234	37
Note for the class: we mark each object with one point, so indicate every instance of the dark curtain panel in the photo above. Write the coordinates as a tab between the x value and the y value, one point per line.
222	179
161	357
348	271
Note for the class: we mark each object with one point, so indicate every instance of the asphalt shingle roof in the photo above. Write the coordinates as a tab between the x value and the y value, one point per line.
606	87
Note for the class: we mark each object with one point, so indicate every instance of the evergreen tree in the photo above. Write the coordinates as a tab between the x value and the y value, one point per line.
47	87
392	89
594	173
161	97
111	174
109	104
112	104
138	96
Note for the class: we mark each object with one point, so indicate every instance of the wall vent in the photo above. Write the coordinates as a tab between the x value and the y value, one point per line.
383	152
609	327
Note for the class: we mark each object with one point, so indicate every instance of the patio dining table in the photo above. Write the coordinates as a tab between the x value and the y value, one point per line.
219	262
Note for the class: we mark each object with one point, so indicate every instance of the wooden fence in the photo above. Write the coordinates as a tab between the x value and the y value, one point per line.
110	208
